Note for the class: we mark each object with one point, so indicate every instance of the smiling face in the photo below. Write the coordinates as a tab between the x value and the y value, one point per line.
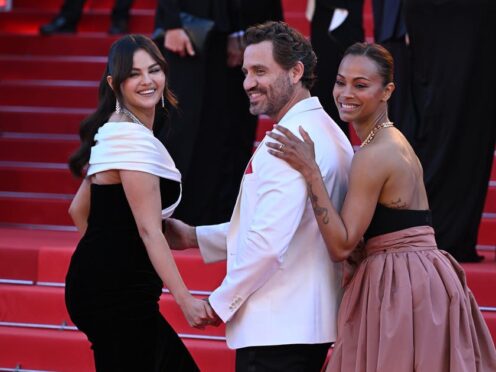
143	89
359	92
268	86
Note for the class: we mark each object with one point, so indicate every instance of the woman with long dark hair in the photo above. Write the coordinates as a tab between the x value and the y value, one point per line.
407	306
117	272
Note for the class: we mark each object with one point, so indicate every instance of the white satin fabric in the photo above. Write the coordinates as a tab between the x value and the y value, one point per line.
131	146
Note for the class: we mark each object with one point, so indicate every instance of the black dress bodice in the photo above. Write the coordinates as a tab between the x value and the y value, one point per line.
386	220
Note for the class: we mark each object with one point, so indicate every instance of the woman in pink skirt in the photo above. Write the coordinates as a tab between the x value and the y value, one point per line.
407	306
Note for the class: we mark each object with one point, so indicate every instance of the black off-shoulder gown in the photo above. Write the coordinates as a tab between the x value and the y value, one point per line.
112	293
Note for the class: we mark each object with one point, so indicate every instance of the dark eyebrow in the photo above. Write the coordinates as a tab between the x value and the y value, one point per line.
149	67
357	78
254	67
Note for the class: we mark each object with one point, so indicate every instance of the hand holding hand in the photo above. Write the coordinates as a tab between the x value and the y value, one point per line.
197	312
299	154
180	235
215	320
177	40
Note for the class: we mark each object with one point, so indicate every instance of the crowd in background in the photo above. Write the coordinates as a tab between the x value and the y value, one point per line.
443	101
324	246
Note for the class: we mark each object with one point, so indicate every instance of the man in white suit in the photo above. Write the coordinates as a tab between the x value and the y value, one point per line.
281	293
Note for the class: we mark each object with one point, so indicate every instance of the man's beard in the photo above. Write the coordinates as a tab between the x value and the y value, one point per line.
282	90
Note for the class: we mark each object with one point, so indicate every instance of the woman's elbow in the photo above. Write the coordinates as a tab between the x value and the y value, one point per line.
338	256
73	212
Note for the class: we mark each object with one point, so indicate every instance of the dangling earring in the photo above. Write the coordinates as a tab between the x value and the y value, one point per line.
163	101
117	106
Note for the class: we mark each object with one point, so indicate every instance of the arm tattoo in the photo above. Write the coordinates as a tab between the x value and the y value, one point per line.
319	211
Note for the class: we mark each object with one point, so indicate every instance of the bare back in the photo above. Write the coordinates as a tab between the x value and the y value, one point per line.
388	172
404	187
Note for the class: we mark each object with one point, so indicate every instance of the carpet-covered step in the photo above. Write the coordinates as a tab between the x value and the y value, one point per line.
490	204
44	256
20	252
481	278
35	209
66	45
488	252
69	351
47	120
52	67
38	304
100	4
37	148
98	20
490	319
288	5
297	20
53	263
46	178
49	93
487	231
47	350
46	305
51	209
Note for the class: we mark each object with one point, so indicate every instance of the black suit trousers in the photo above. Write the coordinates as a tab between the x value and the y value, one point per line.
72	10
282	358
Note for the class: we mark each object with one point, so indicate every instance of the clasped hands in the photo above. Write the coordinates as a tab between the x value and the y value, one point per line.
198	312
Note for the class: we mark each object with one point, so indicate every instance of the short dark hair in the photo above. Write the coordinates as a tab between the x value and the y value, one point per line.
377	53
289	47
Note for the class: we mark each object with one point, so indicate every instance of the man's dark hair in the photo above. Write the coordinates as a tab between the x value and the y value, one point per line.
289	47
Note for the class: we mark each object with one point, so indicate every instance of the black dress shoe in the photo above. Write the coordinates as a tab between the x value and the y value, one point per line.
118	27
57	26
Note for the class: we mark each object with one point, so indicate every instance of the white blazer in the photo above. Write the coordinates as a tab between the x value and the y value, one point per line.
281	286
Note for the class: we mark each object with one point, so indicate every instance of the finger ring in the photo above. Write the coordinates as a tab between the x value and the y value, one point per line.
281	147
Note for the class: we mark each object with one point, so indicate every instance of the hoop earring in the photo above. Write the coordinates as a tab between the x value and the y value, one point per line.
163	101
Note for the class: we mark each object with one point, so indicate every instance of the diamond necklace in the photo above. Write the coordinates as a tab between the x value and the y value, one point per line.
374	131
130	115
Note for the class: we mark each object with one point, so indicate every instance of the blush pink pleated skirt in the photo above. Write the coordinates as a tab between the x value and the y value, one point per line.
408	308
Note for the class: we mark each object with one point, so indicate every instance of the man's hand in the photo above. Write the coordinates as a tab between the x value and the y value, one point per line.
180	235
177	41
214	320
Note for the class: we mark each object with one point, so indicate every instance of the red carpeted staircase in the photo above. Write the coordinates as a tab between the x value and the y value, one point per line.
47	85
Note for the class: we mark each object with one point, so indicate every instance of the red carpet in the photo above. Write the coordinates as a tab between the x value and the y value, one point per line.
47	85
